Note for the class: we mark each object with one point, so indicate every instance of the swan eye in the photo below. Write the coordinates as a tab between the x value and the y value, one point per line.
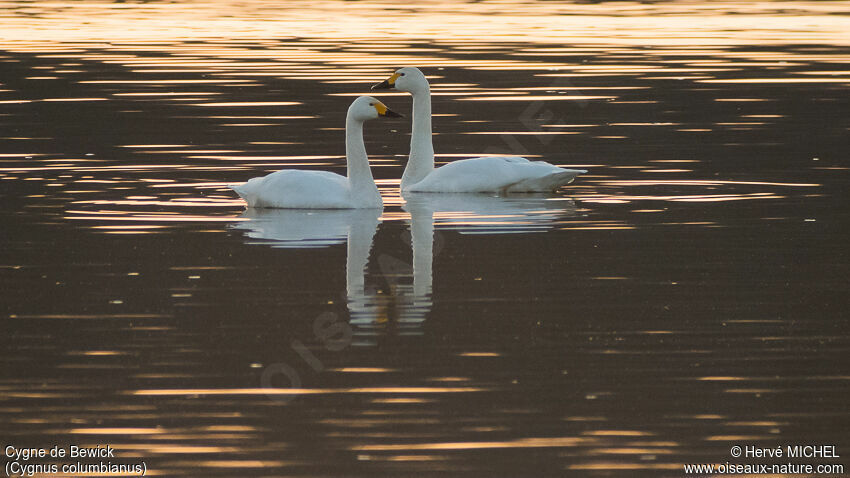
402	74
371	104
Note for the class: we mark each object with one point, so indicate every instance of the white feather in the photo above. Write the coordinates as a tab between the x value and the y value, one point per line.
487	174
300	189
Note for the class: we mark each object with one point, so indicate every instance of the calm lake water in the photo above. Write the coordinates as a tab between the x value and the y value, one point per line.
688	294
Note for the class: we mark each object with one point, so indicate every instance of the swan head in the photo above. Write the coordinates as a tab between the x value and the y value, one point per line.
366	108
408	79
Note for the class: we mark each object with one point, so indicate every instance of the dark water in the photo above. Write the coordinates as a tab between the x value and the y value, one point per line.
688	294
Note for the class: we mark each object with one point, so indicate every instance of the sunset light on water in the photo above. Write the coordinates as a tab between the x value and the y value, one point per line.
684	296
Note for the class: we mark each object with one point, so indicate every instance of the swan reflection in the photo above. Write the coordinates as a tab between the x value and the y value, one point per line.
464	213
486	214
308	228
400	299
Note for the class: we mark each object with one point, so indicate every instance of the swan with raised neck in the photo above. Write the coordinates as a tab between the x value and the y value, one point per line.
501	174
302	189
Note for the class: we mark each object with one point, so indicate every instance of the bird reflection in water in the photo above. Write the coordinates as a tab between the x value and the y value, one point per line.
400	301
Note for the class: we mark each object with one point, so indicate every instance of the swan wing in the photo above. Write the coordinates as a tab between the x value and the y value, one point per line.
297	189
496	174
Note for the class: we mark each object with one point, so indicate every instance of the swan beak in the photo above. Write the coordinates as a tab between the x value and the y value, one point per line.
384	111
387	84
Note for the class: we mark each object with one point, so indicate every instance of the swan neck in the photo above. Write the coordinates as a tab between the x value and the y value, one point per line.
421	160
357	162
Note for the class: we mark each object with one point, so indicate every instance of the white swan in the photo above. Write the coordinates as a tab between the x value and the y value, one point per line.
301	189
504	174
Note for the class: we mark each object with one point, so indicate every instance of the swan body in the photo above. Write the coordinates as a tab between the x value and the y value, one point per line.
298	189
503	174
302	189
500	174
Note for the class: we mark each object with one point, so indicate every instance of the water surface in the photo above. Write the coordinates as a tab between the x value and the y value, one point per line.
686	295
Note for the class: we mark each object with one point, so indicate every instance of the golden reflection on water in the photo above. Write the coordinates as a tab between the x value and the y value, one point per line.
269	391
520	443
220	51
168	48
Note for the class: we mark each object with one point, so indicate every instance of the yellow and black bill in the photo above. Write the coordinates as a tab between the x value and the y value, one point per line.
384	111
387	84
